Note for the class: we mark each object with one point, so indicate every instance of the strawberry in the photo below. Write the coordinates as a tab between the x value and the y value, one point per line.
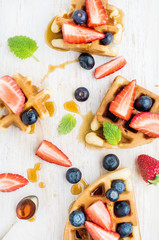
10	182
50	153
149	168
98	233
99	214
97	15
11	94
123	103
147	123
109	67
73	33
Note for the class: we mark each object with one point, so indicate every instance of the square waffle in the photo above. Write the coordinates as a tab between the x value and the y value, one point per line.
94	47
92	193
34	99
130	137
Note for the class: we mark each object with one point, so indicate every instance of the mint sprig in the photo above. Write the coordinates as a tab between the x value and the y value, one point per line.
67	124
111	133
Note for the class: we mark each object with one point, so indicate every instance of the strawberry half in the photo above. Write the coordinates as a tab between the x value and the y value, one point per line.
110	67
10	182
97	233
50	153
99	214
97	15
147	123
123	103
11	94
73	33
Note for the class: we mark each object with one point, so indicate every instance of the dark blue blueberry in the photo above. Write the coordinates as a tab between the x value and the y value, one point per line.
143	103
119	185
73	175
77	218
108	39
124	229
112	195
86	61
80	17
121	209
29	117
81	94
110	162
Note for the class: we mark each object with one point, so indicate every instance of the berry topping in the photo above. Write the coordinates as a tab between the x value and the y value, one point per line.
80	17
121	209
119	185
11	94
73	175
147	123
99	214
112	195
29	117
110	67
123	103
77	34
81	94
110	162
108	39
50	153
86	61
143	103
124	229
77	218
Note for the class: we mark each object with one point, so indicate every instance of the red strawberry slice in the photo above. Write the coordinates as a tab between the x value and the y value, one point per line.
10	182
123	103
98	233
99	214
50	153
11	94
97	15
73	33
147	123
110	67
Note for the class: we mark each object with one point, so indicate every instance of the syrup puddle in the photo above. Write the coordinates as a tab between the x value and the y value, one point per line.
33	175
71	106
78	187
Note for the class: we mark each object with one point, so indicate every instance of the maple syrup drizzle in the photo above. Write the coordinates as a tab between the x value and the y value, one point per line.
33	172
32	219
41	184
119	19
77	188
51	108
71	106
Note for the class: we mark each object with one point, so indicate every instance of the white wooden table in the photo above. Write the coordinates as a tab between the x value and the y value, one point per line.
17	150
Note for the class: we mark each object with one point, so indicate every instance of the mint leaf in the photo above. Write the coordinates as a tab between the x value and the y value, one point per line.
155	181
67	123
111	133
23	47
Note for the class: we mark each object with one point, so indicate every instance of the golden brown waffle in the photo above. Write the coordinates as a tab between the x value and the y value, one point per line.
100	186
34	99
94	47
130	137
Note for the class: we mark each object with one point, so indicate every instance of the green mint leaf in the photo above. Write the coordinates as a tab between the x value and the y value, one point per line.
111	133
67	123
23	47
155	181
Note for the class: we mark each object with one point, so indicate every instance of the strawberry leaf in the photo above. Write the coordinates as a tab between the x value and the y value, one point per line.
111	133
155	181
67	123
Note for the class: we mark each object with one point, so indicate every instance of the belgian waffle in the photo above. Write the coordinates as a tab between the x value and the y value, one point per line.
94	47
130	137
96	191
34	99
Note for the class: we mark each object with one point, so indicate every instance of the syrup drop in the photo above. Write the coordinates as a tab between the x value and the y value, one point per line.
71	106
41	184
33	172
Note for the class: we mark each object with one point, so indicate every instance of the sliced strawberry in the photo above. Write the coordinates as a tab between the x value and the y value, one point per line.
73	33
10	182
110	67
97	15
99	214
97	233
147	123
123	103
11	94
50	153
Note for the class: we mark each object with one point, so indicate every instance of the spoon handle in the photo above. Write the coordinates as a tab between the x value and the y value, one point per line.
8	229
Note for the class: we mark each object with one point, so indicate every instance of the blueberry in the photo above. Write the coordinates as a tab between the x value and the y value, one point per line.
108	39
143	103
29	117
77	218
86	61
121	208
124	229
119	185
110	162
73	175
80	17
112	195
81	94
